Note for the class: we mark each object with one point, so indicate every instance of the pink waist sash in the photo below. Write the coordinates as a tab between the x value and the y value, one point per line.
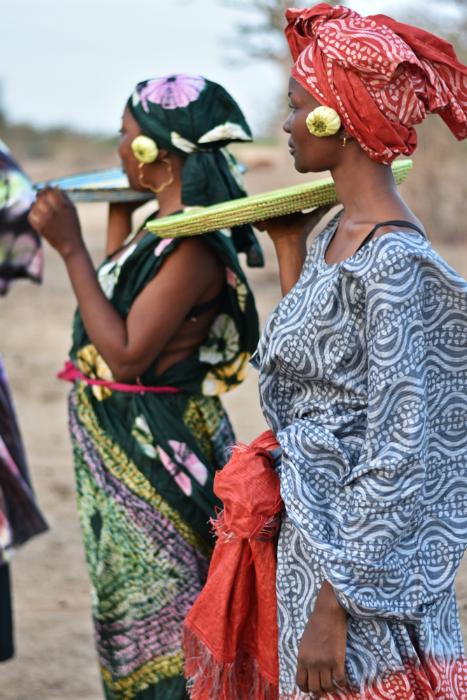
71	373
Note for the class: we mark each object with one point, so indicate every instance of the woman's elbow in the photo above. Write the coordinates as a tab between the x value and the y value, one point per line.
127	371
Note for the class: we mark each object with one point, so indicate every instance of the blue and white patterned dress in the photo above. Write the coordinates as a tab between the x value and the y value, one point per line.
363	378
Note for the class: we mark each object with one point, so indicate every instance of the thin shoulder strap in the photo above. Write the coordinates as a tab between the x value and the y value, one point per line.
403	224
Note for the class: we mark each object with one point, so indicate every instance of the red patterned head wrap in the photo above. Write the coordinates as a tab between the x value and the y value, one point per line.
381	76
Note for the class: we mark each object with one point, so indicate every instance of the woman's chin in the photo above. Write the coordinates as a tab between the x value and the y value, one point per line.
134	184
132	180
296	161
307	167
300	167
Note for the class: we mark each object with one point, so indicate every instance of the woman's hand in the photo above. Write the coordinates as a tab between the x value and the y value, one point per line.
321	654
293	226
54	217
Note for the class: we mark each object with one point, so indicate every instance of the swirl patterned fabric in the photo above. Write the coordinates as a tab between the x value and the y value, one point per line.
363	378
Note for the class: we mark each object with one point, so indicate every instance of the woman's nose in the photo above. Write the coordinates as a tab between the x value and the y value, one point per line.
286	125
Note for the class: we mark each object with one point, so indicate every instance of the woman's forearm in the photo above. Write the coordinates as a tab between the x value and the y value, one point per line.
291	253
289	234
327	599
322	649
119	226
129	345
105	328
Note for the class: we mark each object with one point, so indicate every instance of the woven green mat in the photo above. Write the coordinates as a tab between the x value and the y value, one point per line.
258	207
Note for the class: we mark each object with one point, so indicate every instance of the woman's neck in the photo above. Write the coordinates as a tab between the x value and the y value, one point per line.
170	199
169	180
367	190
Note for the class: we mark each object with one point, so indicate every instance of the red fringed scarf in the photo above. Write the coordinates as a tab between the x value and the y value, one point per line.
231	631
382	76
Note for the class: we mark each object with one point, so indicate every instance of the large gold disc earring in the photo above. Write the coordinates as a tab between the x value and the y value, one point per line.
165	184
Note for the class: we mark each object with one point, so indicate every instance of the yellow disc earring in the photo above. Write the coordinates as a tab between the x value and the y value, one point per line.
145	149
323	121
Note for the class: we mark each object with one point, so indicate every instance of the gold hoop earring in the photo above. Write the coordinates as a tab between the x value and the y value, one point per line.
168	182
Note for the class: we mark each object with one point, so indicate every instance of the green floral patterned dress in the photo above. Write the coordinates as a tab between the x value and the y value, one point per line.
145	464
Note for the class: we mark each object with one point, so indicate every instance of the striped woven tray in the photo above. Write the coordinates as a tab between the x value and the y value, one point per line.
258	207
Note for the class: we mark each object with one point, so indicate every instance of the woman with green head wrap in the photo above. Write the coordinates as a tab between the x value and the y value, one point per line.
162	329
191	121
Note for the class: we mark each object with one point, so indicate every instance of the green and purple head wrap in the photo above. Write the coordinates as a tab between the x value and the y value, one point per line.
197	119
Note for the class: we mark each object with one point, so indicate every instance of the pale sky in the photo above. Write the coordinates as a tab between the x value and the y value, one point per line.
74	62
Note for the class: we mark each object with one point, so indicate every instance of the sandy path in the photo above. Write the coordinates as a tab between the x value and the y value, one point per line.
55	655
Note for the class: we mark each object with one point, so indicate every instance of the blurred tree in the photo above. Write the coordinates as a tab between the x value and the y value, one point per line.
450	20
458	33
461	25
261	35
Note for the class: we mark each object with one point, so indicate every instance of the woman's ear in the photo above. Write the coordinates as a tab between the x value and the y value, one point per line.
163	153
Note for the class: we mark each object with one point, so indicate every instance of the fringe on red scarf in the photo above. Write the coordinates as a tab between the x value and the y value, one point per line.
230	636
210	679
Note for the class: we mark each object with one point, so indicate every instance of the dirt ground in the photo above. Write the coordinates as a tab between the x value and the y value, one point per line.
55	655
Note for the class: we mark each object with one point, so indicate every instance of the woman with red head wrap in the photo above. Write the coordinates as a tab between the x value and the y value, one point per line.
381	76
363	377
363	381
